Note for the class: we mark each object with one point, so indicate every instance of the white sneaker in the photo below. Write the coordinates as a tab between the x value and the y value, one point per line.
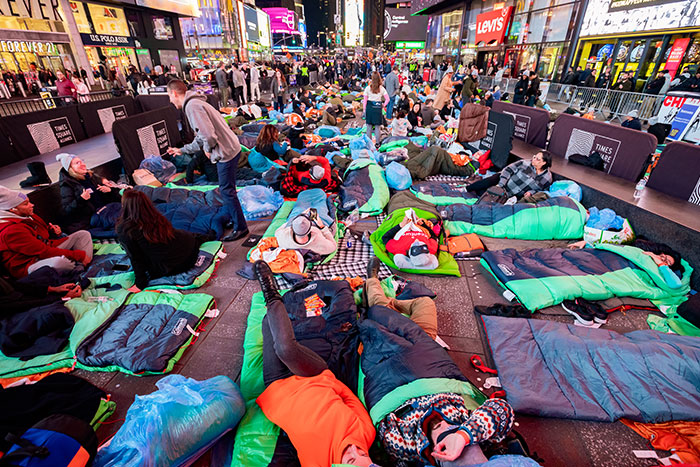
510	201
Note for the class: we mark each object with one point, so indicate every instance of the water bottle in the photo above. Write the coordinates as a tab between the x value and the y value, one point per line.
352	218
640	187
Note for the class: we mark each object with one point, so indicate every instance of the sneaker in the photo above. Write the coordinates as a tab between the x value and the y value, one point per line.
598	312
579	312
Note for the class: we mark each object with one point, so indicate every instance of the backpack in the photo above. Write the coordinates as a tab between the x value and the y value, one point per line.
56	441
594	160
495	195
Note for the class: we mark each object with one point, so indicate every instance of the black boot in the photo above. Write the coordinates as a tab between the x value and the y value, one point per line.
373	267
38	175
267	281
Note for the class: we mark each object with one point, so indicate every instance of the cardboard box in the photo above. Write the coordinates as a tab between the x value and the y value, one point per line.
626	235
145	177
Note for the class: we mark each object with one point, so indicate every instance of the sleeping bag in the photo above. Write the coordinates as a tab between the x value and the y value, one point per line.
553	219
564	371
544	277
364	188
195	211
443	194
435	161
446	263
111	265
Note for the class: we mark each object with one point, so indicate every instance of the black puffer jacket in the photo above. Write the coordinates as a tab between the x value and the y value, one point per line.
76	210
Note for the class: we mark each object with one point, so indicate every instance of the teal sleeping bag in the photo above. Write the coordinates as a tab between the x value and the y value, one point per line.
364	188
559	218
544	277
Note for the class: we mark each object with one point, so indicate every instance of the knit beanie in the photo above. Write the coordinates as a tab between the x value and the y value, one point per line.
65	159
10	198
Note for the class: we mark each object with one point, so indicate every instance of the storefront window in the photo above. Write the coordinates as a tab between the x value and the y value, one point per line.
81	18
535	30
559	23
31	24
108	20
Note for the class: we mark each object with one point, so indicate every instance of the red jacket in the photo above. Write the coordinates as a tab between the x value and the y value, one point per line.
401	245
24	241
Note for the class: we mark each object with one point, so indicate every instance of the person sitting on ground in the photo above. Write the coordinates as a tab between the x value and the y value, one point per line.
488	99
306	99
19	296
429	428
154	247
519	179
632	121
666	258
404	103
295	139
201	164
307	172
268	144
447	111
298	381
82	192
400	125
428	112
421	310
28	243
415	117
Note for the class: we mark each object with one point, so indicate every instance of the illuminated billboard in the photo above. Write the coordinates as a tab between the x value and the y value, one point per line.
282	20
354	23
182	7
618	16
264	29
399	25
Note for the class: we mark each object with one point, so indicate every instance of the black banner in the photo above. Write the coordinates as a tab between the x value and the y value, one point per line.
8	155
678	172
146	134
107	40
45	131
530	123
624	5
99	116
499	138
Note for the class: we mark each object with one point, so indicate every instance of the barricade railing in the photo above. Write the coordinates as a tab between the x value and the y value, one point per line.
22	106
607	103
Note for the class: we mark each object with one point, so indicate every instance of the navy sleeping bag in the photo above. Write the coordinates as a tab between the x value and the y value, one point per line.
565	371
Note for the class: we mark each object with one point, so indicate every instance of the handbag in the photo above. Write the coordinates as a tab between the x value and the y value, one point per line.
495	195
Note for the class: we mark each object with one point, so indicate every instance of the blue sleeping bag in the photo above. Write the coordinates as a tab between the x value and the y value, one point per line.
564	371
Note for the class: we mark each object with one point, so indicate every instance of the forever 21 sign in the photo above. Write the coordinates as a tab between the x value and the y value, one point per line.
106	40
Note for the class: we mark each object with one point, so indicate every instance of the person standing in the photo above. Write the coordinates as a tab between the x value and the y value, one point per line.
469	87
219	143
238	80
278	88
376	99
221	82
64	86
254	84
391	82
533	89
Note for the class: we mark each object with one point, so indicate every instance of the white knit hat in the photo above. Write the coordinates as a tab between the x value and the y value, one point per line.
65	159
10	198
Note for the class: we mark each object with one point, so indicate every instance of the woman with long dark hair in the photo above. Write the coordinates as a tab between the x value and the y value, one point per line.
154	247
268	143
279	89
375	101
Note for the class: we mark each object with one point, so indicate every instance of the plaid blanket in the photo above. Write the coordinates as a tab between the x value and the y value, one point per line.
446	178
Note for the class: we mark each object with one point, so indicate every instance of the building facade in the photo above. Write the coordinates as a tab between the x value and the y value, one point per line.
643	38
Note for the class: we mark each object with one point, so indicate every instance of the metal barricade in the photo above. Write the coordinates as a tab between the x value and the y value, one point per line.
22	106
621	103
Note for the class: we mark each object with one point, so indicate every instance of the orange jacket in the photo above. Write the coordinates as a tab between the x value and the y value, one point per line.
321	416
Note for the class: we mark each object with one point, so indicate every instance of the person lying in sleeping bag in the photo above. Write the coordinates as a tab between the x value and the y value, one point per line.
154	247
430	428
309	172
413	242
325	421
666	258
306	231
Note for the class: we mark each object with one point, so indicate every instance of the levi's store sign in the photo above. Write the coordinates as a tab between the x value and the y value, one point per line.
491	27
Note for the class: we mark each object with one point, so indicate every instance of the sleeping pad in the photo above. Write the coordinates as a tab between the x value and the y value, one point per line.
140	333
446	262
364	188
552	219
565	371
193	210
544	277
110	265
443	194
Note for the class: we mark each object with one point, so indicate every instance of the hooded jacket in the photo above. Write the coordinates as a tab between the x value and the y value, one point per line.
26	240
76	210
212	133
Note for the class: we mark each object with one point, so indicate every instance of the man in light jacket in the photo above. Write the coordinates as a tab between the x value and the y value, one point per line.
220	145
391	84
254	84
